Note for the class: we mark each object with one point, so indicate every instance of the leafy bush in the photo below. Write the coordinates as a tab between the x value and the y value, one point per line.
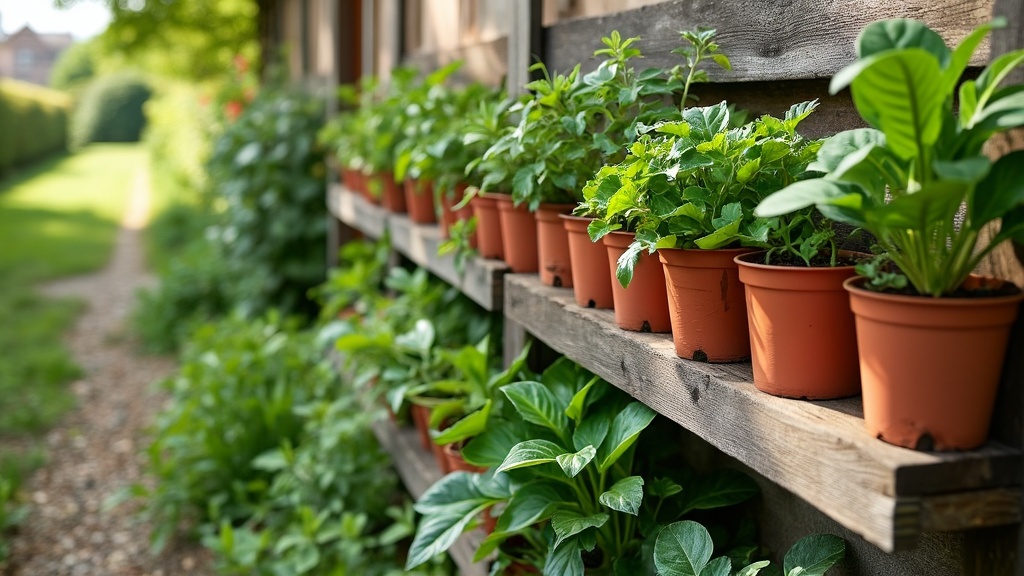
75	67
111	110
34	122
269	173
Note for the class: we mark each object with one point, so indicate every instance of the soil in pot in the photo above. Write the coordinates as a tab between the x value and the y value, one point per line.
518	235
553	245
930	367
802	338
393	197
707	304
419	201
488	226
643	307
449	215
591	279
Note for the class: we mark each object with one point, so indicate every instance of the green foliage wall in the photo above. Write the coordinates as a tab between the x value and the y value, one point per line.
33	123
111	110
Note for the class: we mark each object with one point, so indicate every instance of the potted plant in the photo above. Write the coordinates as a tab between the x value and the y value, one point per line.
485	125
609	224
931	337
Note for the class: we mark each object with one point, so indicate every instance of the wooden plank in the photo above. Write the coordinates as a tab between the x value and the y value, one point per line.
484	62
418	471
524	44
817	450
950	512
765	39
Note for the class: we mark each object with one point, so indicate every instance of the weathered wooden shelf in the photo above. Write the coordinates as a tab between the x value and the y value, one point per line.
419	471
480	280
817	450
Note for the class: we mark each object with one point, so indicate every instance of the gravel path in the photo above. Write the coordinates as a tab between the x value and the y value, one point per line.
95	451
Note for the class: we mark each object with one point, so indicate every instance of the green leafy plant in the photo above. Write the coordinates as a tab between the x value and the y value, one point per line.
694	183
685	548
917	180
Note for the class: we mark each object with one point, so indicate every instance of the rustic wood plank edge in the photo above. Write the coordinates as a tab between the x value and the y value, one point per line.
817	450
419	471
485	62
764	39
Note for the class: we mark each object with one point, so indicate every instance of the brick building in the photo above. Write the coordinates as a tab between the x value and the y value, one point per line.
29	56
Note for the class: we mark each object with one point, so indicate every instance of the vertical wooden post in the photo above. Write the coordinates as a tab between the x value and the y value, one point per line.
524	42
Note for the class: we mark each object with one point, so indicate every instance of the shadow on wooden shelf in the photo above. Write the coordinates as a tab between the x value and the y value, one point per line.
817	450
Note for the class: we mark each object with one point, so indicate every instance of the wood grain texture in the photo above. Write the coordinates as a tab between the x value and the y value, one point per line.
419	471
765	39
818	450
481	279
485	62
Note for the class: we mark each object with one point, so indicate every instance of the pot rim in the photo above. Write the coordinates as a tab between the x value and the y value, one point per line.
578	218
853	286
741	260
494	196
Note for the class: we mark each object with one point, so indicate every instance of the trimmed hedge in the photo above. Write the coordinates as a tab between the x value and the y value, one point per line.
111	110
33	123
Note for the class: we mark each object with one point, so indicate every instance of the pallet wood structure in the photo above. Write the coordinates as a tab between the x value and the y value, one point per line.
901	512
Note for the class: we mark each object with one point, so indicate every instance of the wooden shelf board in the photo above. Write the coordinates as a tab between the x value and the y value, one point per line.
418	471
817	450
481	279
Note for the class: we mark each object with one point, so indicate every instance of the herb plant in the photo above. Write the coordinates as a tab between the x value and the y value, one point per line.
917	180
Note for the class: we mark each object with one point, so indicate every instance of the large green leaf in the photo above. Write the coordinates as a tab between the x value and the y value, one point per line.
531	503
568	523
440	529
537	405
565	560
624	430
490	448
721	237
900	33
573	463
682	549
961	56
813	555
455	488
838	147
899	93
626	495
706	121
721	566
531	453
473	424
591	432
800	195
575	408
718	489
753	569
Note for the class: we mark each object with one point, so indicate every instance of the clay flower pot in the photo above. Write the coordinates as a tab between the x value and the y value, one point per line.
449	215
488	226
518	235
420	418
367	187
419	200
930	366
802	338
643	307
708	308
553	245
349	178
591	279
455	461
393	197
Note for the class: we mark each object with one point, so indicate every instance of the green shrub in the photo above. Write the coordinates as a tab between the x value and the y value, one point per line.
34	123
268	172
111	110
74	67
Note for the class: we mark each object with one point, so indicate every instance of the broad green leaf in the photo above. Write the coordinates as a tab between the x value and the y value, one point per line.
800	195
968	102
599	228
624	430
911	211
968	170
490	448
681	129
564	560
537	405
706	121
797	112
753	569
721	566
568	523
1000	191
721	237
961	56
573	463
575	408
664	488
440	529
531	503
814	555
626	495
453	489
719	489
722	60
997	71
900	94
531	453
627	262
682	549
473	424
838	147
901	33
591	432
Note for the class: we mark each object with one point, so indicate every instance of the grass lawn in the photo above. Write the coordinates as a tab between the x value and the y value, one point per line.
58	218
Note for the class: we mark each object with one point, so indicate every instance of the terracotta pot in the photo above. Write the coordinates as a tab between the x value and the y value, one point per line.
488	226
349	178
393	197
449	215
802	339
368	188
421	419
591	279
490	523
930	366
455	461
439	457
518	235
643	307
419	200
705	297
553	245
